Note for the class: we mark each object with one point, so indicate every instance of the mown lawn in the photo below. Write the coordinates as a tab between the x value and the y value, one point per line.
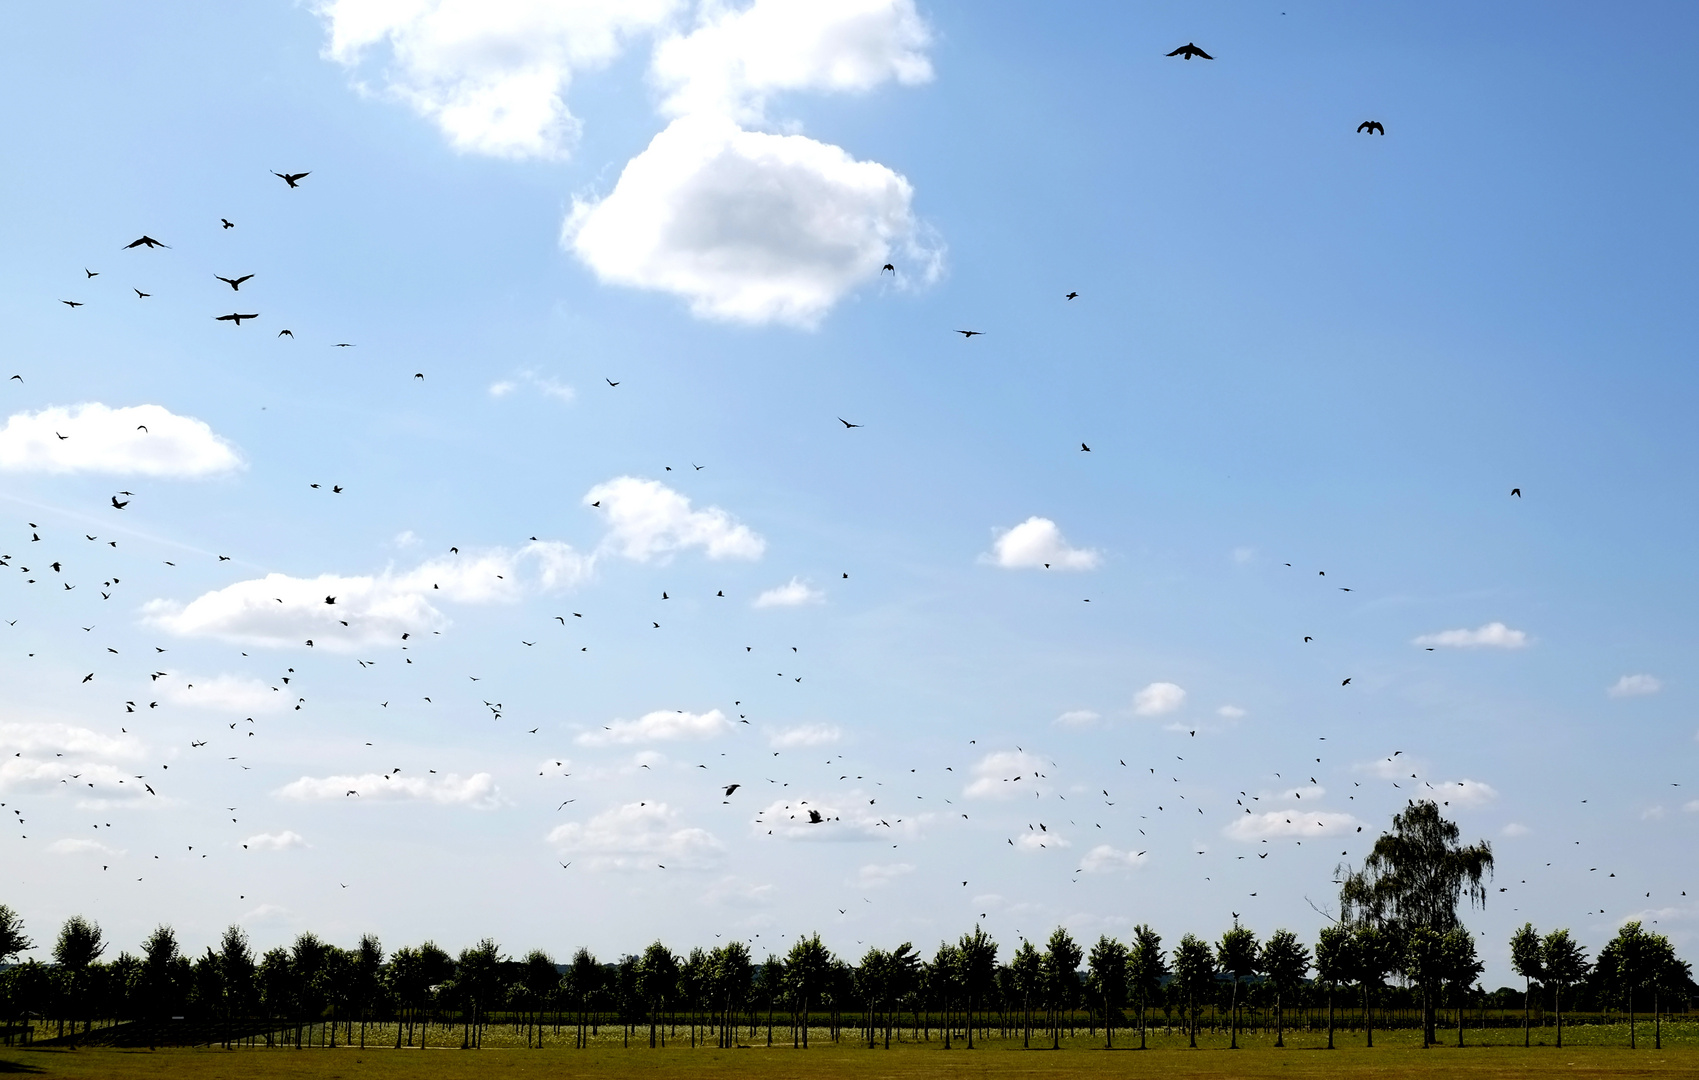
1396	1055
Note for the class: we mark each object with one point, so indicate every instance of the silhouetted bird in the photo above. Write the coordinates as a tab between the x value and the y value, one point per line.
846	423
1372	127
1188	50
141	295
228	224
971	333
1070	296
234	283
1516	492
71	303
292	179
233	317
145	241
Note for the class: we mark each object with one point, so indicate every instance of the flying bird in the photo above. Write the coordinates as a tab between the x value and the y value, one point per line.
1372	127
227	223
233	317
889	267
139	294
286	333
1347	682
91	273
971	333
1514	491
847	425
814	817
731	788
1084	449
610	382
145	241
1188	50
116	505
1071	296
71	303
234	283
292	179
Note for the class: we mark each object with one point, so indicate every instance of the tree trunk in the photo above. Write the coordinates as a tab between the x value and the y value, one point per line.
1279	1021
1191	1022
1527	992
1233	1016
1368	1017
1557	1007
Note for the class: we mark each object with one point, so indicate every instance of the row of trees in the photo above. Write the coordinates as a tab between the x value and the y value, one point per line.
1398	920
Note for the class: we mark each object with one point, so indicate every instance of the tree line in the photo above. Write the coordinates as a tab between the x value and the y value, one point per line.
1398	921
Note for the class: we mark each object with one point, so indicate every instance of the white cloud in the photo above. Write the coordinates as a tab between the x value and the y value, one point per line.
1041	841
749	226
1003	774
100	439
1691	807
1158	699
279	841
663	725
1076	718
735	59
647	519
873	875
804	735
492	74
1635	686
61	738
406	538
1230	712
637	835
793	593
1297	822
788	818
1493	635
1037	543
225	693
478	791
1466	792
81	847
543	384
1104	857
279	610
1515	829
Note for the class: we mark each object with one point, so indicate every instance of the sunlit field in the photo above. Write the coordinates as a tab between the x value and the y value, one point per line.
1598	1050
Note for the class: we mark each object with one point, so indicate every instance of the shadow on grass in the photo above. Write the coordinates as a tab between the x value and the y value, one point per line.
19	1068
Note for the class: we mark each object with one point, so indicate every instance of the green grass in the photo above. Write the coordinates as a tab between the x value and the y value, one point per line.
1396	1054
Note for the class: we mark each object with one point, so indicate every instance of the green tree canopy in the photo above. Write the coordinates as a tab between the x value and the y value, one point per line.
1416	874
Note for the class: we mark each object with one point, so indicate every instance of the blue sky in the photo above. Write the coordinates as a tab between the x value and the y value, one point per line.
1293	344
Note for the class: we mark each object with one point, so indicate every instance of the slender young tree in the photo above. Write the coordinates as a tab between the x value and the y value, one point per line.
1236	953
1666	974
1062	958
1026	973
1627	959
977	971
1107	965
1145	970
1373	955
236	962
1563	963
1335	963
1285	961
1194	971
657	981
12	938
79	946
1460	967
1423	963
1527	960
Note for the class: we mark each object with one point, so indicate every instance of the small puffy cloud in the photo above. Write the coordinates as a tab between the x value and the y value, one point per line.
662	725
1466	792
49	755
1691	807
1296	822
81	847
1104	857
1158	699
278	841
1493	635
406	538
634	836
749	226
1514	829
1635	686
648	520
1076	718
477	791
1037	543
225	693
789	818
492	76
1230	712
794	593
804	735
1002	774
138	440
730	63
873	875
542	384
281	610
1040	841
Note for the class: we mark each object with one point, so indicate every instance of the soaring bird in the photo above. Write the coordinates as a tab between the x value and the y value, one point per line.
1188	50
1516	492
971	333
116	505
889	267
228	224
1071	296
234	283
1372	127
814	817
233	317
141	295
292	179
145	241
72	303
1084	448
91	273
731	788
610	382
846	423
286	333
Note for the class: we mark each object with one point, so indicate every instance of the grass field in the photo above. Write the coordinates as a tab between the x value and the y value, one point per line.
1397	1054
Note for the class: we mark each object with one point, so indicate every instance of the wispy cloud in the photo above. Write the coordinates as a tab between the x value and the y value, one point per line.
794	593
478	791
1493	635
662	725
1158	699
1635	686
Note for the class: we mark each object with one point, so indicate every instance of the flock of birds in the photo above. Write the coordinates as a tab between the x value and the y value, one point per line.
1130	804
